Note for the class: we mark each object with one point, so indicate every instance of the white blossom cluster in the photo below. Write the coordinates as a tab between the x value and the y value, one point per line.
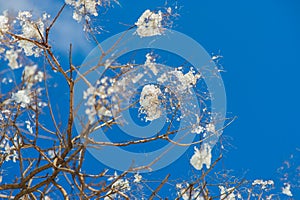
287	190
8	152
4	26
31	29
6	80
28	126
119	184
12	56
150	103
97	99
150	24
152	99
85	8
30	77
262	183
201	156
150	62
4	114
186	81
137	178
198	128
23	96
178	81
27	31
188	192
260	187
229	193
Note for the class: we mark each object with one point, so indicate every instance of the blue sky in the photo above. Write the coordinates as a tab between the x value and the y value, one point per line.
259	42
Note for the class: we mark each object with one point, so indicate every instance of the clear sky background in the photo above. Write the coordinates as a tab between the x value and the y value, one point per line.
259	42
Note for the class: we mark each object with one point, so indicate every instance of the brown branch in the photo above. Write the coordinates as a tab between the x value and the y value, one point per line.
154	193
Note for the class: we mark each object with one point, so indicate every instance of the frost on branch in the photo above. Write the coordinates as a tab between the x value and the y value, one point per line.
150	103
201	156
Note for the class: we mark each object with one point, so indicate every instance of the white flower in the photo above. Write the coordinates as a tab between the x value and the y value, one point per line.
201	157
9	151
228	193
137	78
210	127
121	184
110	195
199	129
150	103
102	111
150	62
46	198
31	30
90	91
24	15
29	48
91	113
12	56
22	97
39	76
263	183
77	16
28	72
149	24
30	76
83	7
185	81
113	177
137	178
3	23
28	126
51	154
287	190
187	194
